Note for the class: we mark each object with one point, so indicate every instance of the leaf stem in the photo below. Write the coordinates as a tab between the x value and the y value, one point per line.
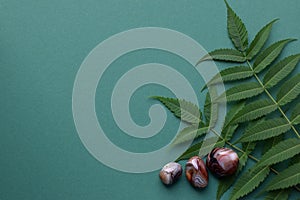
275	102
249	155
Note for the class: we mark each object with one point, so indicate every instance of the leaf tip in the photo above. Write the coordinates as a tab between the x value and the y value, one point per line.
227	5
204	58
203	88
198	62
290	40
273	21
156	97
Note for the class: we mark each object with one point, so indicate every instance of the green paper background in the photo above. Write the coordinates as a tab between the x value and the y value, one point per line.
42	46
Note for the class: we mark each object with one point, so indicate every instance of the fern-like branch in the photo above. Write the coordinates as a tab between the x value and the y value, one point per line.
272	98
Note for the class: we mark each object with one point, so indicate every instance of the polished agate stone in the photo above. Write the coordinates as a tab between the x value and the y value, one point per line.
222	162
196	173
170	173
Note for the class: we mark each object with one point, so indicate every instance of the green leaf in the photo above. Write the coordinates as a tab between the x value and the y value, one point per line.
211	109
236	30
278	195
289	90
230	55
182	109
285	179
280	152
228	132
248	182
269	55
295	117
294	160
224	185
231	74
259	40
255	110
242	91
248	147
243	157
265	129
209	144
190	152
190	133
194	149
280	70
271	142
207	108
232	113
254	123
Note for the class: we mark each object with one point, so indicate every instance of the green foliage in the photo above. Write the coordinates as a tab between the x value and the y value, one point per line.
190	152
266	129
242	91
211	108
236	30
282	151
259	40
294	160
289	90
280	70
236	108
258	124
207	108
255	110
230	55
285	179
295	118
228	132
190	133
248	147
182	109
248	182
207	145
271	142
231	74
224	185
266	57
278	195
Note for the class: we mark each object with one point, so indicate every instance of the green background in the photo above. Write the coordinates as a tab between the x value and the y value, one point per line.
43	44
